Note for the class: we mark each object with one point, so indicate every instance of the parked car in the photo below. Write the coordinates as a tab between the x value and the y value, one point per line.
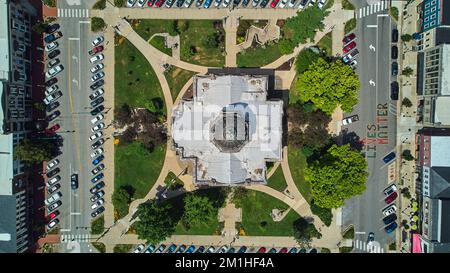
391	227
394	90
226	3
283	250
389	190
246	2
99	211
97	187
272	250
169	3
98	41
52	28
243	249
97	152
150	3
190	249
52	223
347	58
207	4
150	249
236	3
264	3
313	250
51	82
371	237
131	3
52	163
97	110
353	64
53	215
54	71
223	249
98	143
52	37
53	181
97	119
349	120
51	89
53	172
97	84
255	3
200	249
98	127
139	248
96	58
97	102
97	94
96	50
53	63
53	188
274	3
349	47
302	250
141	3
52	106
98	169
302	4
53	198
293	250
389	210
98	160
54	206
52	130
283	3
53	45
394	52
54	53
97	76
179	3
53	115
97	196
391	198
74	181
95	136
262	250
97	67
292	3
160	248
172	248
231	250
97	177
211	249
389	219
321	4
394	36
217	3
394	69
347	39
159	3
389	157
52	97
98	203
312	3
181	249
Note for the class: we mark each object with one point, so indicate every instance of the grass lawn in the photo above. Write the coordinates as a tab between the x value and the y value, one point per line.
350	25
393	11
326	43
347	5
99	246
159	43
177	78
136	83
137	167
172	180
194	36
122	248
98	225
256	218
297	164
258	56
277	181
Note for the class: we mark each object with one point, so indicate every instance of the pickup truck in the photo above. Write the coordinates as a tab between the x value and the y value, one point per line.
53	198
52	37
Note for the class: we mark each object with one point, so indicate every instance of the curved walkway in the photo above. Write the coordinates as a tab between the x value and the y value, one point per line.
263	35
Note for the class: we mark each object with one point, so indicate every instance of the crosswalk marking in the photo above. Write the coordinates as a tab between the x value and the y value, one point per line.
371	248
82	238
393	108
73	13
371	9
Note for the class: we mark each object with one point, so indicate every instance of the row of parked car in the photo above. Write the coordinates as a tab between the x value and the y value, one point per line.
389	212
96	97
173	248
394	65
300	4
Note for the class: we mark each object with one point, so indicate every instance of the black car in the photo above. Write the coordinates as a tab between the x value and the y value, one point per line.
52	28
313	250
201	249
245	3
169	3
394	37
51	82
54	53
198	3
264	3
97	110
98	212
74	181
394	69
53	172
97	102
389	219
97	187
53	115
236	2
394	91
180	3
52	106
394	52
98	143
97	84
97	196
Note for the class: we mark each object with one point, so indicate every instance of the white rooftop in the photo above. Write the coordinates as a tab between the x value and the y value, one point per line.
229	129
439	151
442	110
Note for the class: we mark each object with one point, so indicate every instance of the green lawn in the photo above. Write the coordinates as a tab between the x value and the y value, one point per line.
177	78
98	225
99	246
297	165
256	216
136	83
258	56
172	180
326	43
159	43
277	181
137	167
122	248
194	36
350	25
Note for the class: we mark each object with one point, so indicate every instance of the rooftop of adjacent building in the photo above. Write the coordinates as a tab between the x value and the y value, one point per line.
439	151
8	224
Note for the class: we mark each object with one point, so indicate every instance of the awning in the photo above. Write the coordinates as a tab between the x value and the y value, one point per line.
416	243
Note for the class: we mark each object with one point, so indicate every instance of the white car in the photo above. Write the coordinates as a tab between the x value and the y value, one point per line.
97	58
98	203
97	67
353	64
351	119
53	181
97	118
389	190
95	136
97	94
139	248
312	2
187	3
98	76
131	3
52	97
292	3
52	223
321	3
97	152
98	41
98	127
226	3
54	197
51	46
53	71
141	3
217	3
52	164
389	210
282	3
51	89
302	4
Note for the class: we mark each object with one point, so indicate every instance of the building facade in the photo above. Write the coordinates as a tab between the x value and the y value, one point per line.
433	23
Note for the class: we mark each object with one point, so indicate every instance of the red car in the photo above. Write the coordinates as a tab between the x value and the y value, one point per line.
283	250
274	3
262	250
150	3
349	47
347	39
96	50
159	3
52	129
391	198
53	215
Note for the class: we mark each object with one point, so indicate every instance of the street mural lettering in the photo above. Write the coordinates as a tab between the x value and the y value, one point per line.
377	133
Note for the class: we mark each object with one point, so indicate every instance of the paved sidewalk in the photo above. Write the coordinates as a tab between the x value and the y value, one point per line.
230	27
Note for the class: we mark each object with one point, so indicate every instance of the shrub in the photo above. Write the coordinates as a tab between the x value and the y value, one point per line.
347	5
97	24
100	4
350	25
349	234
406	102
119	3
406	37
393	11
50	3
407	155
98	225
324	214
407	71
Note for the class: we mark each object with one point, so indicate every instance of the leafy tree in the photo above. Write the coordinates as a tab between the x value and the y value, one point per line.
407	155
304	232
119	3
239	194
97	24
33	151
155	222
197	209
407	71
181	26
406	37
242	28
211	40
339	174
121	198
406	102
100	4
40	27
286	46
304	59
324	214
129	135
123	114
328	85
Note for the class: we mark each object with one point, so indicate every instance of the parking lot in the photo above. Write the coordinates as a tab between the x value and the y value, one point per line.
226	4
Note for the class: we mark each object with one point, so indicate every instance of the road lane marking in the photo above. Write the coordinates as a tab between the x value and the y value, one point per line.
75	213
360	232
372	26
382	15
84	22
65	230
74	38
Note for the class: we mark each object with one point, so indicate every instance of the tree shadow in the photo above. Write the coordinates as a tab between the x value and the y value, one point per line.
349	137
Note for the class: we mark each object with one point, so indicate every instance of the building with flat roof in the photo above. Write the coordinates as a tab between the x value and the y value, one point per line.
434	23
229	129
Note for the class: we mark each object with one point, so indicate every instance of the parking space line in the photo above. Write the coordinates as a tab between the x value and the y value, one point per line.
84	22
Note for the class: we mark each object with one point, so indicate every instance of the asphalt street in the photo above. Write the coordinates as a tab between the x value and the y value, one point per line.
376	127
75	123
